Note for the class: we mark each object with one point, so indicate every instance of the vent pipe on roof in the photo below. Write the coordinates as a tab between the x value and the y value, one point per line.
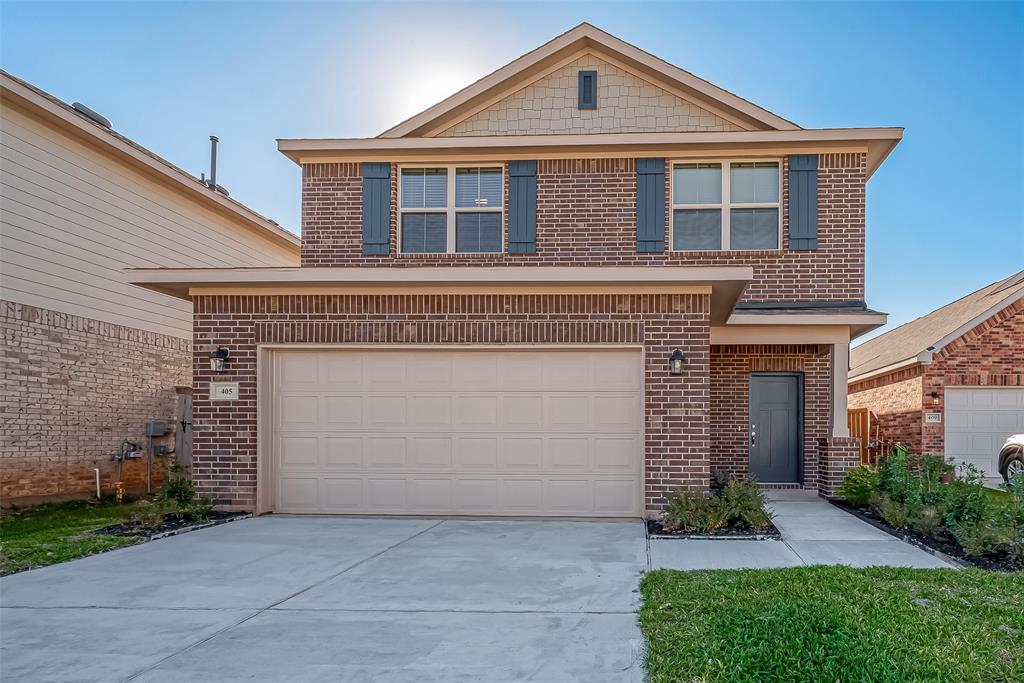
212	182
92	115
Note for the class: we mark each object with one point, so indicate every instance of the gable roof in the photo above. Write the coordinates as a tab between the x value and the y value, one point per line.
59	113
915	341
549	55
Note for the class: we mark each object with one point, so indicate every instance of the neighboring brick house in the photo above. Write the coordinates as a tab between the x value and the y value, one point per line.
582	282
951	382
88	357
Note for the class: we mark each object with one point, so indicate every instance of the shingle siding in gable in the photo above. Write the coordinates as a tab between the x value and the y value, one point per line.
625	104
586	215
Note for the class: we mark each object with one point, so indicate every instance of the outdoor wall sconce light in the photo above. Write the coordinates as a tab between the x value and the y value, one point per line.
675	362
219	358
935	398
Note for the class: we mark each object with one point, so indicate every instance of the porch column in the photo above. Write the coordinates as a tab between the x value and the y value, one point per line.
840	370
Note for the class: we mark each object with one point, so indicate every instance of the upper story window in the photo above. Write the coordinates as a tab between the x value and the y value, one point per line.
728	205
450	209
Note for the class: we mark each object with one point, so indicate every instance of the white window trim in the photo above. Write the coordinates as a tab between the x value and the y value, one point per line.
451	210
726	203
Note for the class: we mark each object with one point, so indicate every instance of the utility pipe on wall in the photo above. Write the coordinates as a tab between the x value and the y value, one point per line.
97	471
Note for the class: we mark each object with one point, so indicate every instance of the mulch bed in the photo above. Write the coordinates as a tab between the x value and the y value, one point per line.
994	561
170	525
655	529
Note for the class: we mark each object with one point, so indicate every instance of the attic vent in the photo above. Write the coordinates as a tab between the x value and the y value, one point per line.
588	90
91	115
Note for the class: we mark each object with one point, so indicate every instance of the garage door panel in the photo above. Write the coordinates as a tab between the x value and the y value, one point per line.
978	422
385	411
476	411
341	411
341	452
429	452
299	494
476	453
297	412
523	411
459	432
384	452
430	411
567	454
341	495
340	370
523	453
476	496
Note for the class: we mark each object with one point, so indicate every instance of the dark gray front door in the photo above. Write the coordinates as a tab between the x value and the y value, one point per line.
775	427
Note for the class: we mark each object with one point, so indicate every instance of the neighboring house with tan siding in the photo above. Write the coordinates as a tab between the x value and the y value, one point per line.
87	356
950	382
582	282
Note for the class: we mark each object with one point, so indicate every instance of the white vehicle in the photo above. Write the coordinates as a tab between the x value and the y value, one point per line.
1011	457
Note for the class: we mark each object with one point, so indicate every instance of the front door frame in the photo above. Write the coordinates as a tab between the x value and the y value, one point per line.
799	420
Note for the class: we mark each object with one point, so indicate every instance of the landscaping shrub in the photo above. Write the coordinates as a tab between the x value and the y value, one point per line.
859	484
175	497
740	503
927	521
892	511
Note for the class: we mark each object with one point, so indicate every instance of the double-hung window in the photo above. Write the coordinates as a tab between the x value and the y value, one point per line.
727	205
450	209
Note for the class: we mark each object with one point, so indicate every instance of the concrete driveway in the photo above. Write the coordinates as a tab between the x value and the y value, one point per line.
319	598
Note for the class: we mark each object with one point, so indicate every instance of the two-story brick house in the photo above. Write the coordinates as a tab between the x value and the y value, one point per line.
581	282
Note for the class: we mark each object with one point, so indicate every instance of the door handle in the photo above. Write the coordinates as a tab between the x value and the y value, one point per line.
753	435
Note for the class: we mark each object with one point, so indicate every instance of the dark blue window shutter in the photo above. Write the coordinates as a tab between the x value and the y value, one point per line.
376	207
803	202
587	90
522	207
650	205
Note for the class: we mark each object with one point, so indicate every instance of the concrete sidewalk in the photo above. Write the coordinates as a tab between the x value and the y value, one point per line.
813	532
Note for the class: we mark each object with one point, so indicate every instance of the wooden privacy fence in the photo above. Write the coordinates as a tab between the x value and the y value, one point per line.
859	420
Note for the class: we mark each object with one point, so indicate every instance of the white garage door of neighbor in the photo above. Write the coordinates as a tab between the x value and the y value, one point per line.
978	422
458	432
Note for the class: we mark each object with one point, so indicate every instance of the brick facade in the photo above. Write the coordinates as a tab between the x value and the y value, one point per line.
72	390
586	216
730	400
987	355
836	455
676	407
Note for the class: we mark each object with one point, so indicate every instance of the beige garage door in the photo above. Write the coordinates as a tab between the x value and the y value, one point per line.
466	432
978	422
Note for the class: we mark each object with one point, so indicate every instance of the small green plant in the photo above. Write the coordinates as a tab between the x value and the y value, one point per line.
177	485
966	502
859	484
927	520
980	537
741	502
892	511
895	477
692	511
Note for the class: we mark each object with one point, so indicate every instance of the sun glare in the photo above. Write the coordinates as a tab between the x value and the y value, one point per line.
424	90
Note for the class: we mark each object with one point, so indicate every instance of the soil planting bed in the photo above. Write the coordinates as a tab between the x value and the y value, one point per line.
170	525
655	530
948	547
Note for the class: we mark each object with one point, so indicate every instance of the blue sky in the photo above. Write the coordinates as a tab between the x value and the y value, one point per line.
945	213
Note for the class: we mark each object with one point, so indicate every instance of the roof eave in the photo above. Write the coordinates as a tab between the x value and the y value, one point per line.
28	97
877	142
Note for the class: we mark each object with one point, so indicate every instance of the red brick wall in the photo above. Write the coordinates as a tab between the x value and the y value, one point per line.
586	215
730	400
896	401
987	355
676	407
836	454
990	354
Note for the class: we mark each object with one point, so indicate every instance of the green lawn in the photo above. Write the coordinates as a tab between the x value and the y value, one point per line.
834	624
47	534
